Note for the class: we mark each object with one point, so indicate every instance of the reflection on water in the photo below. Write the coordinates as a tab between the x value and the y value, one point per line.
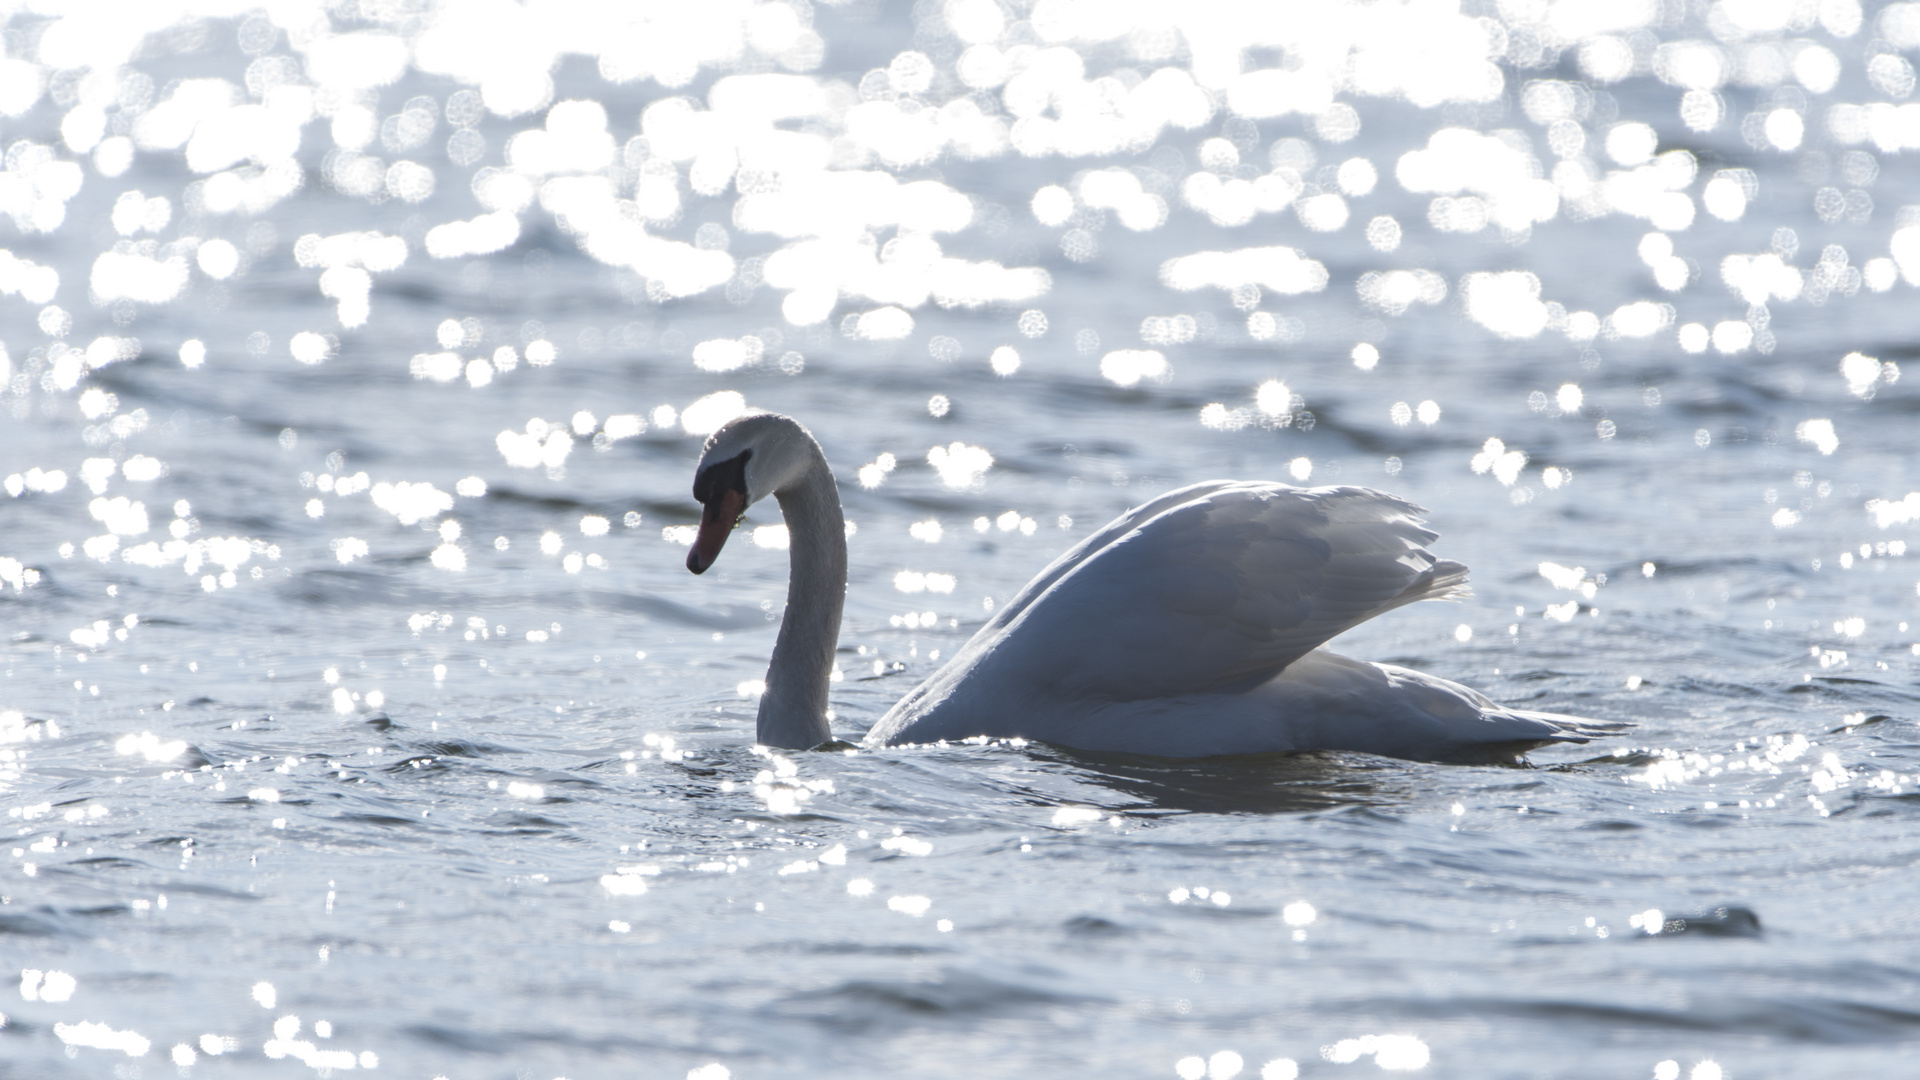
1258	784
354	357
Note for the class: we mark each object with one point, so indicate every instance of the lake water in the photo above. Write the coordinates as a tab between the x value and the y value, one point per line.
359	713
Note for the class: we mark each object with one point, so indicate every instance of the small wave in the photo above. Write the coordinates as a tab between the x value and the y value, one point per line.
1798	1018
953	994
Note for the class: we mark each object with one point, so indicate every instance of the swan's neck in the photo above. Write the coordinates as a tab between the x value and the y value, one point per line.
793	711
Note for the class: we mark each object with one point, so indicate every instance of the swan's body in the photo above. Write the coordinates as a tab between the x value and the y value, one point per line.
1190	626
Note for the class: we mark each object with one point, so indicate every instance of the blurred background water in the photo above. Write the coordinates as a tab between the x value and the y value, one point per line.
358	712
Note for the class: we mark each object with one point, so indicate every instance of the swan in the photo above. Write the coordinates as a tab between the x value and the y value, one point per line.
1190	626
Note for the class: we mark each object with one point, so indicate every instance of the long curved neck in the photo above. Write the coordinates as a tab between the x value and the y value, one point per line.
793	711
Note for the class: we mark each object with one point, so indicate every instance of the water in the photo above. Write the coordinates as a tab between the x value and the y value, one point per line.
489	808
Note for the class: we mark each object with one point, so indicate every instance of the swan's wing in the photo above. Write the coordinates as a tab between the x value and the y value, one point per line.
1093	545
983	645
1224	586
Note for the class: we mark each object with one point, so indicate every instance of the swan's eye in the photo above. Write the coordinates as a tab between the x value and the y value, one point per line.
729	475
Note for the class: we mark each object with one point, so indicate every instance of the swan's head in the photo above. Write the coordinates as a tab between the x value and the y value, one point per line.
745	461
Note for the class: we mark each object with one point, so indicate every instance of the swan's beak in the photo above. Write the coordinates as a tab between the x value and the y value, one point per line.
716	521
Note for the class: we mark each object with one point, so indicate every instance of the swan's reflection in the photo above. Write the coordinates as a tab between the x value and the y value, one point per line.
1244	784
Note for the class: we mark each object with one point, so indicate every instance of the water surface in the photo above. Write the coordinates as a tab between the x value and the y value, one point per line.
358	711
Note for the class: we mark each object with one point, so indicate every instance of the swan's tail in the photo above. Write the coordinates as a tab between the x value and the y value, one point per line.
1574	729
1550	729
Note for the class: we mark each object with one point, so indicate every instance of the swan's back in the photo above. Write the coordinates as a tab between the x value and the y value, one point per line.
1195	597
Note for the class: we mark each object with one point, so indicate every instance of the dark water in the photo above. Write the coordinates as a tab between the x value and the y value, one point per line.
489	807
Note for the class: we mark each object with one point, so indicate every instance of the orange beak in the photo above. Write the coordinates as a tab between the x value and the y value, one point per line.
716	522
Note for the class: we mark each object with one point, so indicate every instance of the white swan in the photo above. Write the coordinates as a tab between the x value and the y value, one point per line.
1189	626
